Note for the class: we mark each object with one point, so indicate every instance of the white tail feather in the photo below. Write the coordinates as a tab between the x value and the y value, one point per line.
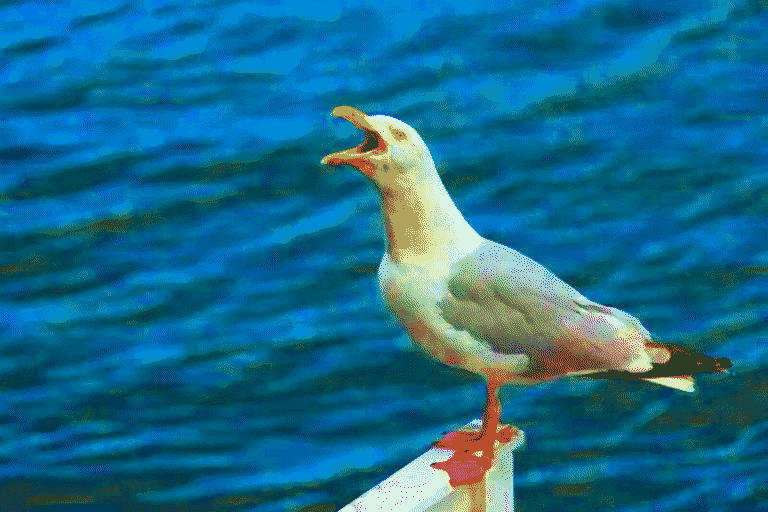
684	383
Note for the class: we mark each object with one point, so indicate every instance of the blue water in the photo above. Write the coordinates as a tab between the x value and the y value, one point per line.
189	317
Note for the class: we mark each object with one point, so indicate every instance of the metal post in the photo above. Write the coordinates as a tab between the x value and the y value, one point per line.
418	487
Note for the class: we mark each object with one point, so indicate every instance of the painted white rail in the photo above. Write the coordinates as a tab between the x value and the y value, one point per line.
418	487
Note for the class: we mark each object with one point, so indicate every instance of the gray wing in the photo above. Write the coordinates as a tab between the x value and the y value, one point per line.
516	306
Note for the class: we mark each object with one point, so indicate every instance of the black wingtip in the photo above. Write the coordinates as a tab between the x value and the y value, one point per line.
722	363
682	361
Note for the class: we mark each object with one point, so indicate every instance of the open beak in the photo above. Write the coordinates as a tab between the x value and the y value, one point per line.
356	156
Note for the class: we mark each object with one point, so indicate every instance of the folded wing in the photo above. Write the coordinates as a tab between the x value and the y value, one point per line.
514	305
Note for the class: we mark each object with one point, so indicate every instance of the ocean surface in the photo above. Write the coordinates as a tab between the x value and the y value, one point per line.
189	314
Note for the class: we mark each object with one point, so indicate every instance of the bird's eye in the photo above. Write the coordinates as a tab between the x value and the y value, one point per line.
397	133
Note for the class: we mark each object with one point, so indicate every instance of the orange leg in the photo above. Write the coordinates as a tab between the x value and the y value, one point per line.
465	467
491	414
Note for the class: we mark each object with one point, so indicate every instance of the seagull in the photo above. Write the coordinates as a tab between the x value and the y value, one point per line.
473	303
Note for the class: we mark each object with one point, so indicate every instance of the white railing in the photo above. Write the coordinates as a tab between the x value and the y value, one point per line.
418	487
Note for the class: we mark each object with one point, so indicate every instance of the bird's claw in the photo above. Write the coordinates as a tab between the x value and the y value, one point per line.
464	468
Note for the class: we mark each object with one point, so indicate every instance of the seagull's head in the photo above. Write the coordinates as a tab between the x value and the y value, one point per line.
392	153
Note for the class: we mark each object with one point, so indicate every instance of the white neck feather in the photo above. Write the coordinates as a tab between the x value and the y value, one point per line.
422	223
